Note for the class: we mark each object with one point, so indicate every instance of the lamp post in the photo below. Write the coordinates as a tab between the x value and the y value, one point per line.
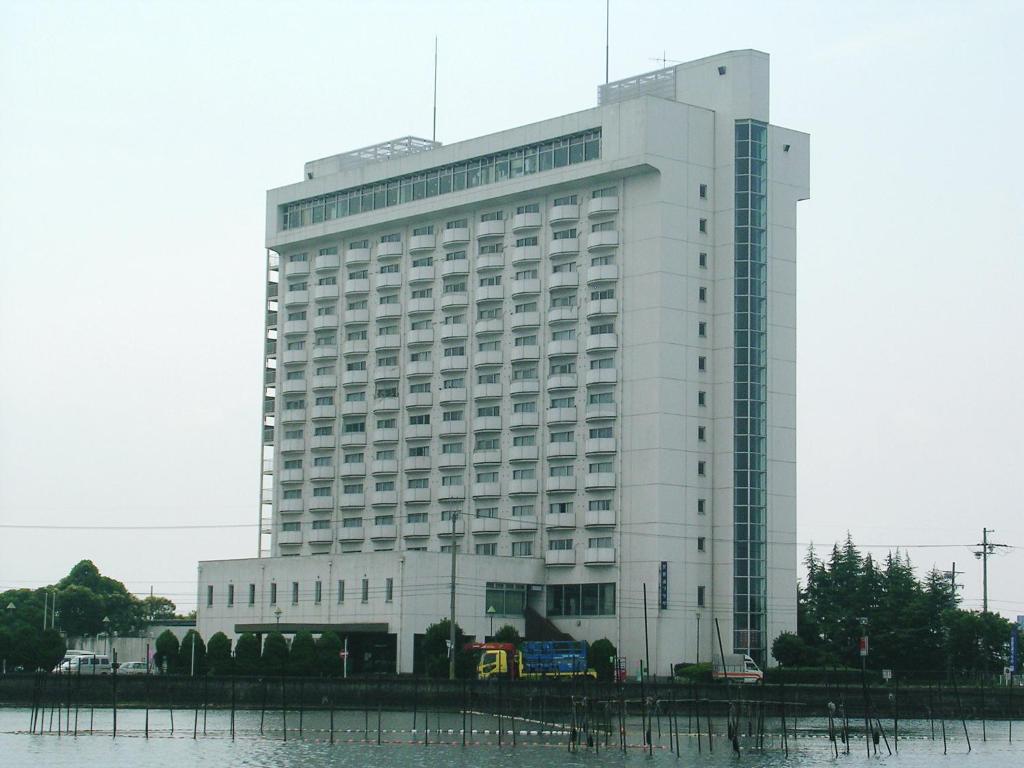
106	628
490	615
277	614
698	636
10	612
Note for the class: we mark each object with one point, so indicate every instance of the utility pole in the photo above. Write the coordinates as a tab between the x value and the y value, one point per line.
951	575
987	548
451	627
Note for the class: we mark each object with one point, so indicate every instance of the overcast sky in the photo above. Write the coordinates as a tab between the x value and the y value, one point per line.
137	141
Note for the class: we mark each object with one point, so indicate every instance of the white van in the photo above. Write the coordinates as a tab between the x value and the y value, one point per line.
92	664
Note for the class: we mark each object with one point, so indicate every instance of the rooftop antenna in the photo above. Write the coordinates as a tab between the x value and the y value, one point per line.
664	61
607	17
433	134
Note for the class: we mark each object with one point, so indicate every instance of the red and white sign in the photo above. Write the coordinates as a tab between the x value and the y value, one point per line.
864	646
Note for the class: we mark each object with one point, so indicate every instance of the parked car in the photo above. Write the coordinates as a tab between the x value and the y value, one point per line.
133	668
85	665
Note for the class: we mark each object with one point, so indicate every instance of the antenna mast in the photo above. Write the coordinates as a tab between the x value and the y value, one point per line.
607	17
433	134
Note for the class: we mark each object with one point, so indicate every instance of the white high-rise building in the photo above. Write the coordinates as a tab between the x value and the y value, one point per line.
571	343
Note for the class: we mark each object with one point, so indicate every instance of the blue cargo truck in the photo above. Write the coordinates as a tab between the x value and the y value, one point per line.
532	659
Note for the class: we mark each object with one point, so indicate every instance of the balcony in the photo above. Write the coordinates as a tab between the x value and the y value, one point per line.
525	287
321	472
525	352
389	341
291	415
357	316
597	411
523	453
519	420
455	267
382	404
384	467
349	439
560	520
564	246
455	236
561	380
525	320
453	427
321	322
599	518
322	442
321	535
290	476
293	298
444	528
487	424
602	341
393	309
383	531
415	530
353	469
523	221
524	387
387	281
561	415
385	372
560	557
596	480
490	357
561	484
326	292
353	378
559	213
561	450
295	268
295	327
326	261
420	336
293	446
356	287
524	254
486	490
351	533
597	241
600	445
419	399
600	307
416	464
418	306
384	498
486	391
325	351
289	506
490	229
523	523
418	432
487	457
357	256
421	274
489	325
454	331
452	460
388	250
321	504
599	555
295	356
454	299
601	376
602	206
487	261
289	538
417	496
453	363
605	272
418	243
563	280
486	525
527	487
352	500
293	386
562	347
449	492
385	435
452	395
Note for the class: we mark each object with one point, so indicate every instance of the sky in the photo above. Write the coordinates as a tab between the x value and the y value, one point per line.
137	141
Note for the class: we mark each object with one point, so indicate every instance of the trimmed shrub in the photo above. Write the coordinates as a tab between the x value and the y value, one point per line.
601	658
218	655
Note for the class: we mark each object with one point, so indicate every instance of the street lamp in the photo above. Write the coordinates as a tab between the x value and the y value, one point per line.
106	626
698	636
490	615
277	614
10	612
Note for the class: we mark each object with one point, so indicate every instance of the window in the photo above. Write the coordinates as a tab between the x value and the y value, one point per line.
564	234
252	594
365	591
318	591
420	325
565	470
389	589
491	248
358	274
599	505
424	230
455	256
524	440
419	450
581	599
449	416
291	526
702	329
420	418
298	375
567	200
295	593
351	488
487	378
526	274
457	224
325	400
702	363
523	242
459	351
384	519
600	466
604	192
487	512
487	444
489	314
352	522
384	485
422	293
563	402
451	480
387	423
449	449
563	437
607	293
486	549
489	346
701	466
528	208
526	341
702	260
701	431
602	328
390	298
273	593
560	545
419	388
602	362
354	427
601	398
524	474
490	280
524	374
528	406
566	334
341	590
703	225
492	216
353	458
703	191
423	261
700	543
701	506
359	335
293	464
702	294
529	306
416	517
294	346
323	461
394	237
597	433
562	368
209	595
604	226
700	596
523	510
418	482
488	410
702	398
600	542
321	525
291	493
296	257
487	477
522	549
294	405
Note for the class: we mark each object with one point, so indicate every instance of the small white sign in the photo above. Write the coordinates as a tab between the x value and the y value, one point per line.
887	674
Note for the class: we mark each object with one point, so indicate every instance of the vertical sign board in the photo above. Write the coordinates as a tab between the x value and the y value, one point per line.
663	586
864	646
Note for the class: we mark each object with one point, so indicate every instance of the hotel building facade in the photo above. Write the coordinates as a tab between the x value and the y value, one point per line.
569	348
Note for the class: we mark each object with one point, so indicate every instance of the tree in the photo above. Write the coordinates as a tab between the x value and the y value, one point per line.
508	634
601	658
167	647
81	610
274	660
247	653
792	651
435	651
155	609
49	649
328	648
187	661
218	654
302	657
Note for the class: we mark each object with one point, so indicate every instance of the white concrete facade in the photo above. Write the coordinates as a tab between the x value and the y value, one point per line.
569	379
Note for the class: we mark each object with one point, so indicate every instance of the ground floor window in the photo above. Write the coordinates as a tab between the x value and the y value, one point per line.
506	599
581	599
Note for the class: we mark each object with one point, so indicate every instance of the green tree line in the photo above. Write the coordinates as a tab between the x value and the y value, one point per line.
304	655
912	624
